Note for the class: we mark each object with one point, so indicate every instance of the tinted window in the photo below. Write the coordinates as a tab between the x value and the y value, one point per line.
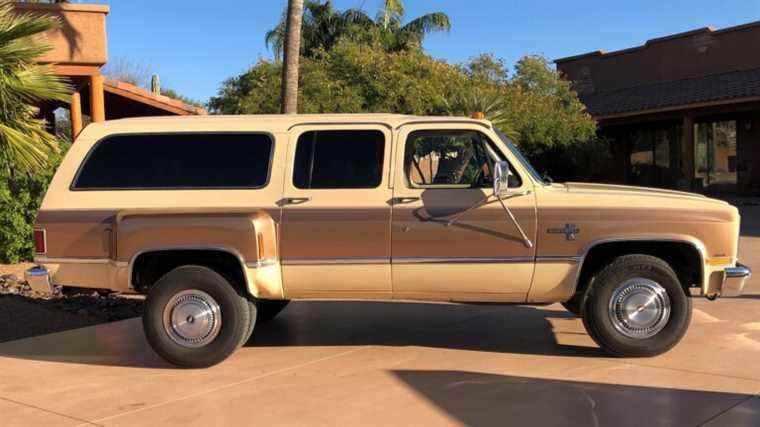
177	161
450	158
339	159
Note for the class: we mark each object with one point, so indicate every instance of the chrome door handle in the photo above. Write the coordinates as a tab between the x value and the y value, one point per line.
403	200
295	200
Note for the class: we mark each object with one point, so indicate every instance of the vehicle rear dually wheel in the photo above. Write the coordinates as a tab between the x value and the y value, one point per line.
195	318
636	307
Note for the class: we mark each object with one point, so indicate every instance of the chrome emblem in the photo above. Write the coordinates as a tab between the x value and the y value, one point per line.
570	231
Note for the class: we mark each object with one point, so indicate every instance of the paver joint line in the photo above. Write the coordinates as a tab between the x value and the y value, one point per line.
222	387
716	416
83	421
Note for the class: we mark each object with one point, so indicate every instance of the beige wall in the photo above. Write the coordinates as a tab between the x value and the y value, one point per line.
81	38
692	54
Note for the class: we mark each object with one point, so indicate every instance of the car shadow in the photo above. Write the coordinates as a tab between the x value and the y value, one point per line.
489	328
483	399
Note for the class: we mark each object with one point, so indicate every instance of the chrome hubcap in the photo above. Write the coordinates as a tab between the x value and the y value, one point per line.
192	318
639	308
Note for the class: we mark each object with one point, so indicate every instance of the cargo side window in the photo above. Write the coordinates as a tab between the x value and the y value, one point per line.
451	159
177	161
339	159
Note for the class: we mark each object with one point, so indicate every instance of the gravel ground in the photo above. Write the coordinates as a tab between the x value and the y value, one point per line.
24	313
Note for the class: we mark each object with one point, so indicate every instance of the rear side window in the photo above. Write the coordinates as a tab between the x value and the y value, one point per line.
177	161
339	159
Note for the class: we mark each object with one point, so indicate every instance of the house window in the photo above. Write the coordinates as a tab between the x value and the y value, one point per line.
715	155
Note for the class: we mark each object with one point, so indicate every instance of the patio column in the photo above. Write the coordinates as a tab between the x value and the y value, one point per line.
687	149
97	99
76	114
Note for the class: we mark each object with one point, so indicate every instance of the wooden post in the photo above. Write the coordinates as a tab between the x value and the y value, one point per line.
76	114
687	149
97	99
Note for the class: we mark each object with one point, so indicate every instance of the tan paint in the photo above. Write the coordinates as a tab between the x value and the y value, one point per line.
80	39
76	114
420	229
336	224
97	98
340	244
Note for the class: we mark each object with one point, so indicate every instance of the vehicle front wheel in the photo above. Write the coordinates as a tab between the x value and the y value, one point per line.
195	318
637	307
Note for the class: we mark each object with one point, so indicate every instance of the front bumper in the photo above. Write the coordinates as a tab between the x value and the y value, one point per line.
39	279
734	280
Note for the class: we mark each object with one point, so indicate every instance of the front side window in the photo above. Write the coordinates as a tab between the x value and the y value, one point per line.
455	159
339	159
177	161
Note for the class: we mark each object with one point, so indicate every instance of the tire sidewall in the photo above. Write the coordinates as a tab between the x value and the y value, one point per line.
610	280
234	311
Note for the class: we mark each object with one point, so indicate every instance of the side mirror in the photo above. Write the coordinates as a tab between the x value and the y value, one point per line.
501	175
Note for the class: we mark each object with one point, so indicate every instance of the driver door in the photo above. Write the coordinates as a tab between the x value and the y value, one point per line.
481	256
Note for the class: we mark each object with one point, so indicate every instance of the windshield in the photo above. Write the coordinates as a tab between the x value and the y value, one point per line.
526	164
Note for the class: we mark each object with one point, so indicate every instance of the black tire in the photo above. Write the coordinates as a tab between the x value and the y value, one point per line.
269	309
253	310
599	322
233	308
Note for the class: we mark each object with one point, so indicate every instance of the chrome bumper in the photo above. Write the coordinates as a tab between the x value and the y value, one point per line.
734	279
39	280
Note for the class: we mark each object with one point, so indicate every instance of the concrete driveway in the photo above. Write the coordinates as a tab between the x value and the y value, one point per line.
390	363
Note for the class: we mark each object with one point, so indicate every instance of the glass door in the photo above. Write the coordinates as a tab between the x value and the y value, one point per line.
715	156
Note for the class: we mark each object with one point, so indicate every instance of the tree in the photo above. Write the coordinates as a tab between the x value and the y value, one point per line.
129	71
350	78
25	143
292	57
534	107
324	27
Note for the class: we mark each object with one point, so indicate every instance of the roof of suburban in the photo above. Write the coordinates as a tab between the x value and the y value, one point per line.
298	119
734	85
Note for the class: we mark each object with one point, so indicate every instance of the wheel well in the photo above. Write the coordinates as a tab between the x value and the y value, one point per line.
151	266
683	258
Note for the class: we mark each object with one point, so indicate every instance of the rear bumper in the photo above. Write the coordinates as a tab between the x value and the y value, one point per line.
734	280
39	279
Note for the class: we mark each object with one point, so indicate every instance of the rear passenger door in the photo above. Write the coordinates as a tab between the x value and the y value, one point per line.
335	230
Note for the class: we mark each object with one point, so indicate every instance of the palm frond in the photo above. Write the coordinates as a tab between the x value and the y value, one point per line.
392	11
24	141
426	24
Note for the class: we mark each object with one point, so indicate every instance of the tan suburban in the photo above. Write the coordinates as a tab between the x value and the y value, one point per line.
222	220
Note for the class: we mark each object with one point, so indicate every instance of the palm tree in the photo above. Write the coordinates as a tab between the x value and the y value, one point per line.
292	57
414	32
323	26
24	141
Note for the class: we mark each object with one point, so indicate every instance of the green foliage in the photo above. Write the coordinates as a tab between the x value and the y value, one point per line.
24	142
350	78
171	93
533	106
20	198
324	27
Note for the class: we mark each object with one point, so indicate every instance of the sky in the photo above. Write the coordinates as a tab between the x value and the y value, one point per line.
195	45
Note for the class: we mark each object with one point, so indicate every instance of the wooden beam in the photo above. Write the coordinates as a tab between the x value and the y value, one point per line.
97	99
76	114
76	70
